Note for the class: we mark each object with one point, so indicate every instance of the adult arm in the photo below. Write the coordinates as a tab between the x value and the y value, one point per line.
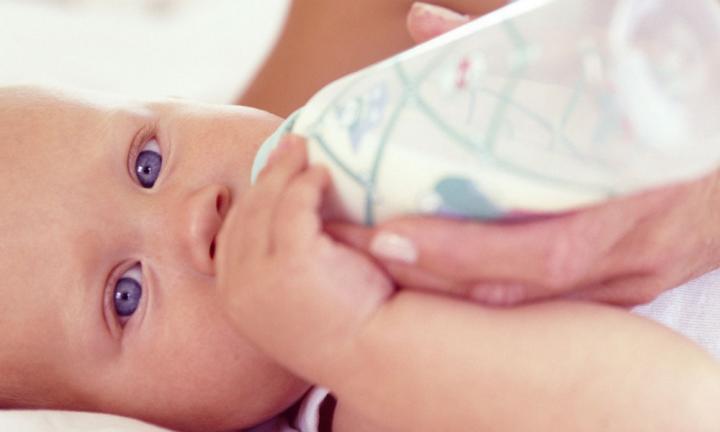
325	39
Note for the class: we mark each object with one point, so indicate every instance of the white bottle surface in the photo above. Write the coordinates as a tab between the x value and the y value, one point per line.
542	106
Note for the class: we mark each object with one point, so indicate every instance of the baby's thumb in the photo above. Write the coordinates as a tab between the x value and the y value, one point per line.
425	21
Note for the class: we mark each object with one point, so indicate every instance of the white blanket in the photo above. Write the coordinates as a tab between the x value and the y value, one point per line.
692	309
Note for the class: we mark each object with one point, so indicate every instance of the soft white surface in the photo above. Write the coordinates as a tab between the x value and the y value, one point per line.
693	309
201	49
68	421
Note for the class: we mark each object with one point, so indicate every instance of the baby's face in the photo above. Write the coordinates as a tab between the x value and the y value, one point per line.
109	297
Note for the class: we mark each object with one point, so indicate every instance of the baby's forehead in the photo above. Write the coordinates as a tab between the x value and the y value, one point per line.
29	113
45	132
37	148
38	132
54	147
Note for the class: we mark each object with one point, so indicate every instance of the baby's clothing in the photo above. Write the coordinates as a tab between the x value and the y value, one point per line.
316	412
313	413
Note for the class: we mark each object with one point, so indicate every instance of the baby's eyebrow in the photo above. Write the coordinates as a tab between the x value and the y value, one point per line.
129	116
122	128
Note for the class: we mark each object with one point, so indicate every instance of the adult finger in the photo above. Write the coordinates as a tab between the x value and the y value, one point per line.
409	276
624	290
405	276
425	21
488	262
549	256
552	253
639	287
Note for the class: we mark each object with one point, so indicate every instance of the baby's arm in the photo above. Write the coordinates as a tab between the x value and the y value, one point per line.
411	361
427	363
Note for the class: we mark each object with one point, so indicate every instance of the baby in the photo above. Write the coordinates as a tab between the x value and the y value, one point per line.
206	304
144	276
110	214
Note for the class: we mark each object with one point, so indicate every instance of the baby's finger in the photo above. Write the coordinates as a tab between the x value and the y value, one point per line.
288	159
284	162
297	220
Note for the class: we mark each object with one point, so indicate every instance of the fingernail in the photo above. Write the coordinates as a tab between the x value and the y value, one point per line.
391	246
498	294
428	11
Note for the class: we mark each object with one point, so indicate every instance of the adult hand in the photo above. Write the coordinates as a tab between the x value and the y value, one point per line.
625	252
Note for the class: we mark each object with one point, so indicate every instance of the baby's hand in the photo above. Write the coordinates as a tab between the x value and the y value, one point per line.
290	288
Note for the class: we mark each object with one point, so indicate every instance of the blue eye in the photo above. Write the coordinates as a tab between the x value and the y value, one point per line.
126	296
148	164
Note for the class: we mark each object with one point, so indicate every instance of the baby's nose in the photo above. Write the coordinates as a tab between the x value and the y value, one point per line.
208	207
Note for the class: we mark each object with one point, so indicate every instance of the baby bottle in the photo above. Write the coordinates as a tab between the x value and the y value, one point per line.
542	106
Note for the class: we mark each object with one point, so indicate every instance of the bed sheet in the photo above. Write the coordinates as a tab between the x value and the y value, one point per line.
205	50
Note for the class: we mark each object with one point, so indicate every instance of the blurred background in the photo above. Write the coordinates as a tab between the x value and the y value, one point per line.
199	49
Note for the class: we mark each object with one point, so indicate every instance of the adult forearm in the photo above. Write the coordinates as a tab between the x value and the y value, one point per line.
425	363
322	41
325	39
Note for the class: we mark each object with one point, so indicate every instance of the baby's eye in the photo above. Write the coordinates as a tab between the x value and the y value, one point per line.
148	164
127	292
